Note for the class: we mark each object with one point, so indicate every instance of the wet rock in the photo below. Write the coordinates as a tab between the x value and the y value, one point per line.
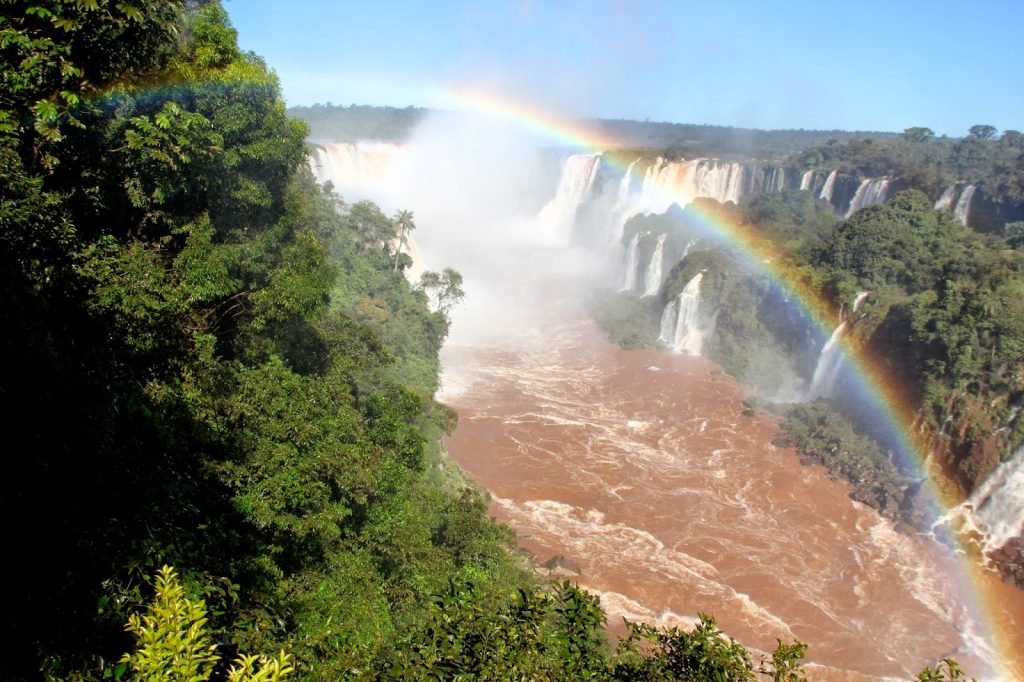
561	564
1009	561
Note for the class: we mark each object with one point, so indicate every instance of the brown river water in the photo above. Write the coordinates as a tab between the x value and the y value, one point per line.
640	468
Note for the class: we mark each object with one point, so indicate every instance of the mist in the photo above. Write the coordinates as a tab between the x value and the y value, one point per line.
478	187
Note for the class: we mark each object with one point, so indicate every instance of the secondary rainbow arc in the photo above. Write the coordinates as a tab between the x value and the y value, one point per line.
885	399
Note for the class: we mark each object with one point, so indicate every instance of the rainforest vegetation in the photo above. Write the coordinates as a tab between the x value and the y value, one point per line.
361	122
985	157
217	365
220	386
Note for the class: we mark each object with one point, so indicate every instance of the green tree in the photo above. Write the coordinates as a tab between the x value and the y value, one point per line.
403	220
982	132
918	135
174	642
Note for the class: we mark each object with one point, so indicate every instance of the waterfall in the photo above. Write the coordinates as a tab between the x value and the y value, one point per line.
996	508
559	214
869	193
689	336
668	323
686	249
945	202
778	179
624	186
827	370
358	170
629	280
653	280
681	182
806	179
962	212
826	190
859	299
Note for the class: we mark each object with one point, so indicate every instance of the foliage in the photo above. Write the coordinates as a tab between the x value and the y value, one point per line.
947	670
629	320
827	437
920	160
173	642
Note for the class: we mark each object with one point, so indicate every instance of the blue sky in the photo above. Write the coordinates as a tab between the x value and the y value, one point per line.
864	64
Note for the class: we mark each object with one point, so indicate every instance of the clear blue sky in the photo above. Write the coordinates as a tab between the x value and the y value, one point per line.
851	64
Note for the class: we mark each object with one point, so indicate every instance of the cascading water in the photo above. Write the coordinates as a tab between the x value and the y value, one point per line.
653	280
624	187
996	509
686	249
806	179
775	180
945	202
826	190
667	335
870	192
629	279
689	334
858	300
827	370
666	183
962	212
574	185
358	170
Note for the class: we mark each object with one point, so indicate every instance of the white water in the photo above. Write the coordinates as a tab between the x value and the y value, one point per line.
681	182
668	323
806	179
689	334
870	192
686	249
358	170
775	181
826	190
574	185
962	212
629	279
996	508
653	280
827	370
945	202
624	186
859	299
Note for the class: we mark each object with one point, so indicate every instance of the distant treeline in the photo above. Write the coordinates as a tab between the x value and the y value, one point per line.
358	121
363	122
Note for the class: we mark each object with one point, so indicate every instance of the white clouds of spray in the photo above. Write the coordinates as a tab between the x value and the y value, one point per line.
476	185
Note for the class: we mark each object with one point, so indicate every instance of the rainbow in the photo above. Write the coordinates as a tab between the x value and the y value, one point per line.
885	399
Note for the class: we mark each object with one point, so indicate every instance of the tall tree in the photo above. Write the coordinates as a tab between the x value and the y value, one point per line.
404	222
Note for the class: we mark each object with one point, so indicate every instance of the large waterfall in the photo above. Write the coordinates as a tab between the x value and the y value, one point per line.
689	332
963	205
574	185
358	170
629	278
870	192
653	279
828	187
805	180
